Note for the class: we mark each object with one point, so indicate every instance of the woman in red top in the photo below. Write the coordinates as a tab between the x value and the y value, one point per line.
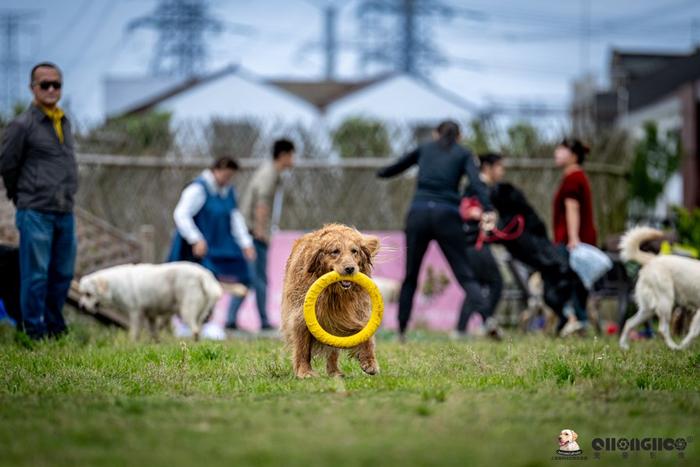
573	215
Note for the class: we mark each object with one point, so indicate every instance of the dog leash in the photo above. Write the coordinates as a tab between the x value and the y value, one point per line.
511	231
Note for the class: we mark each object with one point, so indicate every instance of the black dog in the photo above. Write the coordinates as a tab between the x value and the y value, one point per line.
9	281
534	248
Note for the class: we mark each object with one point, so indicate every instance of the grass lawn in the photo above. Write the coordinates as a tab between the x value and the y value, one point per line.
94	398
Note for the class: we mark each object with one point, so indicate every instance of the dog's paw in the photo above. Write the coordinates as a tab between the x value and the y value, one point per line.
624	345
303	374
370	367
336	374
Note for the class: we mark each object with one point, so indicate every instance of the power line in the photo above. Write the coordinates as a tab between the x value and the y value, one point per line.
91	36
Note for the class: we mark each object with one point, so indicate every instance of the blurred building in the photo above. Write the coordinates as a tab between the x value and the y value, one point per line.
664	88
236	106
230	93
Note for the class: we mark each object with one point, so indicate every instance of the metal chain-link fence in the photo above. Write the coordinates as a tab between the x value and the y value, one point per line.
159	156
130	192
156	135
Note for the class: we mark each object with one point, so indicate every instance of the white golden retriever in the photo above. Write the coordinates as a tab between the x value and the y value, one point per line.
153	292
567	441
664	281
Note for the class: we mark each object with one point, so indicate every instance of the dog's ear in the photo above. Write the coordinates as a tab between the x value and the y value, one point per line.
371	243
102	286
574	435
316	263
369	248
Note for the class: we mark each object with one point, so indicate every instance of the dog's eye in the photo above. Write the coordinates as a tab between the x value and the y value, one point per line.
354	251
335	252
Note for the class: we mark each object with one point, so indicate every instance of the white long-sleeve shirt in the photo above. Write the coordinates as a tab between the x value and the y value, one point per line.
191	201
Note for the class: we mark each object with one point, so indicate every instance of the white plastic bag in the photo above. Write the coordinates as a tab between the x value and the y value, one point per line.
589	263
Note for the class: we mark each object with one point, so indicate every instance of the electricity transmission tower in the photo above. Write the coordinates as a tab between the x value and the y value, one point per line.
182	27
397	34
13	24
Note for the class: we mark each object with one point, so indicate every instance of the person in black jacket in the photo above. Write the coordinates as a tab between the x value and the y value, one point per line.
481	258
40	174
434	215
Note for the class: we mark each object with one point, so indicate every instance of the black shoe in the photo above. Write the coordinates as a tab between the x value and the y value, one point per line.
268	327
495	334
231	326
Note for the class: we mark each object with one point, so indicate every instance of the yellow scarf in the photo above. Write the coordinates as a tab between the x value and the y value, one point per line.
55	114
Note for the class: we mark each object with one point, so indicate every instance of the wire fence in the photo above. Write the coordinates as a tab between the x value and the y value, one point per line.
130	192
133	169
248	138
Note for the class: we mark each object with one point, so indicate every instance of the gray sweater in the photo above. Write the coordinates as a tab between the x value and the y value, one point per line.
38	171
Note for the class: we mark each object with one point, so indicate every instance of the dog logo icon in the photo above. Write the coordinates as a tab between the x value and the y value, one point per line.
568	446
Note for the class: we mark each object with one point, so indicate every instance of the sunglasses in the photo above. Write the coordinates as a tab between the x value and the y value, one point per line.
45	85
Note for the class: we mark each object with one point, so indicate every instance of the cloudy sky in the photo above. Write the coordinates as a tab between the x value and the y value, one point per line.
508	52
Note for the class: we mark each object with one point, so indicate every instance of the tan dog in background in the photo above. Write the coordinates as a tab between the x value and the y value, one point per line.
342	309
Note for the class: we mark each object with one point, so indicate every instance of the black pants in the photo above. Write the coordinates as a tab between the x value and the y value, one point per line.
487	275
441	223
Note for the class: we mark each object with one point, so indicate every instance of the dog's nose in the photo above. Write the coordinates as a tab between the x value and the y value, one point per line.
349	270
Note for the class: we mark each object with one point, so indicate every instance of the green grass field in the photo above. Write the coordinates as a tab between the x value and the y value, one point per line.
93	398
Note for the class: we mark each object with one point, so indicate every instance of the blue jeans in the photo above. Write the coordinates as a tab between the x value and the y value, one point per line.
579	299
258	276
47	250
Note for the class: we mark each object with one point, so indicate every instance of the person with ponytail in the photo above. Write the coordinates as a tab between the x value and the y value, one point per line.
573	216
434	215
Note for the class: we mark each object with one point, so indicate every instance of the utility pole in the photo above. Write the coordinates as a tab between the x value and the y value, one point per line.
409	37
330	40
13	23
585	35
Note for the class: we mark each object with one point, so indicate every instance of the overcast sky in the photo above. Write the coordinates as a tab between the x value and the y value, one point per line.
509	51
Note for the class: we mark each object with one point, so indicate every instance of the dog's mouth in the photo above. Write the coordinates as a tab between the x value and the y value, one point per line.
563	442
346	284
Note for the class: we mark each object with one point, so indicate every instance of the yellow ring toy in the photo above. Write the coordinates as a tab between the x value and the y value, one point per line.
354	340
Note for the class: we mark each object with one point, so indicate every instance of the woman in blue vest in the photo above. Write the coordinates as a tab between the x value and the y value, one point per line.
210	229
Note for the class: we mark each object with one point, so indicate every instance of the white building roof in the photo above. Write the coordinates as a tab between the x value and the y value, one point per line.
400	98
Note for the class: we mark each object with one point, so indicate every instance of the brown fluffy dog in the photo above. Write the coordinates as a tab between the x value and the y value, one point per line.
342	309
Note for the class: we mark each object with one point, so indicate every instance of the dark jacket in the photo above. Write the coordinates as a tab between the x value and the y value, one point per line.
38	171
440	171
510	201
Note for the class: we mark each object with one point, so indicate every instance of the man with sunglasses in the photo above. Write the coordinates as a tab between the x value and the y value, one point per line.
40	174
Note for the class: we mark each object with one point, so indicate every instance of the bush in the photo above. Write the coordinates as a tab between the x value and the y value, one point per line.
688	226
655	160
359	137
143	134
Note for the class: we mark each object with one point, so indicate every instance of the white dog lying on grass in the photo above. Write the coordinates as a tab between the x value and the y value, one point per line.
154	293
